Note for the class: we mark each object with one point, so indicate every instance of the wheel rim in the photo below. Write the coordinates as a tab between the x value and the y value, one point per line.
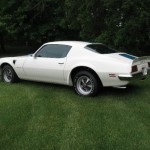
84	85
7	75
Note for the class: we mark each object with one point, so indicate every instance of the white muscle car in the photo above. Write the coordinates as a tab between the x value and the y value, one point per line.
85	66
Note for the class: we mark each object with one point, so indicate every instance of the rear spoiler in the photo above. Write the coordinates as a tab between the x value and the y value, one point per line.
143	58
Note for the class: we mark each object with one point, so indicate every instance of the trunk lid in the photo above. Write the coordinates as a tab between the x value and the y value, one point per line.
122	57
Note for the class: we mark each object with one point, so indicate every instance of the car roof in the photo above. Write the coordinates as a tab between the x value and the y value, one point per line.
71	43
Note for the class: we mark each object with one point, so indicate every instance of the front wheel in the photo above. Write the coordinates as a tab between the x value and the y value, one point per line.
86	84
8	74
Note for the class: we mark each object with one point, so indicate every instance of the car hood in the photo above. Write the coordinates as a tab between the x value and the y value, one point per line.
15	57
10	59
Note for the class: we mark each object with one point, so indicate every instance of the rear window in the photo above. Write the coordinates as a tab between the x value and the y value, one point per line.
100	48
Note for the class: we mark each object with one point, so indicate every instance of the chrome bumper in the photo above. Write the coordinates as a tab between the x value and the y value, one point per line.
138	76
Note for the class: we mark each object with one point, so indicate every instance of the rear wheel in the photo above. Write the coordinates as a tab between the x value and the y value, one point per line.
8	74
86	84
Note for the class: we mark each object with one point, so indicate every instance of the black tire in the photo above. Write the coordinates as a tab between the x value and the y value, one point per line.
86	84
8	74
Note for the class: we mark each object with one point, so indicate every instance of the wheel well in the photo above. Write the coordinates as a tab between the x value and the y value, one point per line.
82	68
2	65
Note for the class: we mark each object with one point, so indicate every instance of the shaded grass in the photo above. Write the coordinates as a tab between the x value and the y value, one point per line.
46	116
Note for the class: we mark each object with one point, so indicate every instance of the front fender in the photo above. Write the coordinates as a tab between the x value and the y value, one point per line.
5	61
8	61
15	62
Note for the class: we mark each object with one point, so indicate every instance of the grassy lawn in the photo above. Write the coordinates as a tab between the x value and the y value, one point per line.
39	116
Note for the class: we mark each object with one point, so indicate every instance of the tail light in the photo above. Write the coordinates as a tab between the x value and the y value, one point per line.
148	64
134	68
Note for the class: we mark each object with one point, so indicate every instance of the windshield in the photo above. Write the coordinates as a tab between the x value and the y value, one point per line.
100	48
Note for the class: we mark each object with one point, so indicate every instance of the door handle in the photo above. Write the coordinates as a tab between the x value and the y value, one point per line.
61	63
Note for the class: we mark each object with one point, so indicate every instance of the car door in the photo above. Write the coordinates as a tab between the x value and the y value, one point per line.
47	64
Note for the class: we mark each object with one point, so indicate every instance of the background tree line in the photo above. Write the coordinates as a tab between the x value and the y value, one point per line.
121	24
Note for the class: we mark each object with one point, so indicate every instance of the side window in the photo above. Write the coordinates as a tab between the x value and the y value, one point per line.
53	51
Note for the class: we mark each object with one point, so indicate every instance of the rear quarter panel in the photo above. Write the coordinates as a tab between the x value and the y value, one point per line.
101	64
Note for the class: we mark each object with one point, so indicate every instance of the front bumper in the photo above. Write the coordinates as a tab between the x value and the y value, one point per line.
134	77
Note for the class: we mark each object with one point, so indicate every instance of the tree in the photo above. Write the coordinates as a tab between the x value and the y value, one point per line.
3	30
121	24
32	20
86	17
2	33
127	25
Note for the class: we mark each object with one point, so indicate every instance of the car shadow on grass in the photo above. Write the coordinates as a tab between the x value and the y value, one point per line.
132	88
129	90
44	84
106	91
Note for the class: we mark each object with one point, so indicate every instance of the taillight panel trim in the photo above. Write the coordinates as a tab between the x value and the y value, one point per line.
134	69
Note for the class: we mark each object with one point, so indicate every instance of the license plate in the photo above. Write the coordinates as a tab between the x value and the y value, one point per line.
144	71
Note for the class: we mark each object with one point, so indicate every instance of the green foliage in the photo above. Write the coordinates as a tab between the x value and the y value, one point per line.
121	24
127	26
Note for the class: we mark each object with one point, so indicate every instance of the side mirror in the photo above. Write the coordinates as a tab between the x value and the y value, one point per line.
34	56
30	55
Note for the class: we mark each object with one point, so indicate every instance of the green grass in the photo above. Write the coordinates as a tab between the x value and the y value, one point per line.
39	116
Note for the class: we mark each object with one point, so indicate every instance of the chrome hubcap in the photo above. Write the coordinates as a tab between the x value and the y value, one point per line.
84	85
7	75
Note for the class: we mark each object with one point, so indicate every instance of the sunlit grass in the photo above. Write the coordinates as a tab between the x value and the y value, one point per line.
35	116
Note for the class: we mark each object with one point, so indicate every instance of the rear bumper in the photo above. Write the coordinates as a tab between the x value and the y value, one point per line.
134	77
